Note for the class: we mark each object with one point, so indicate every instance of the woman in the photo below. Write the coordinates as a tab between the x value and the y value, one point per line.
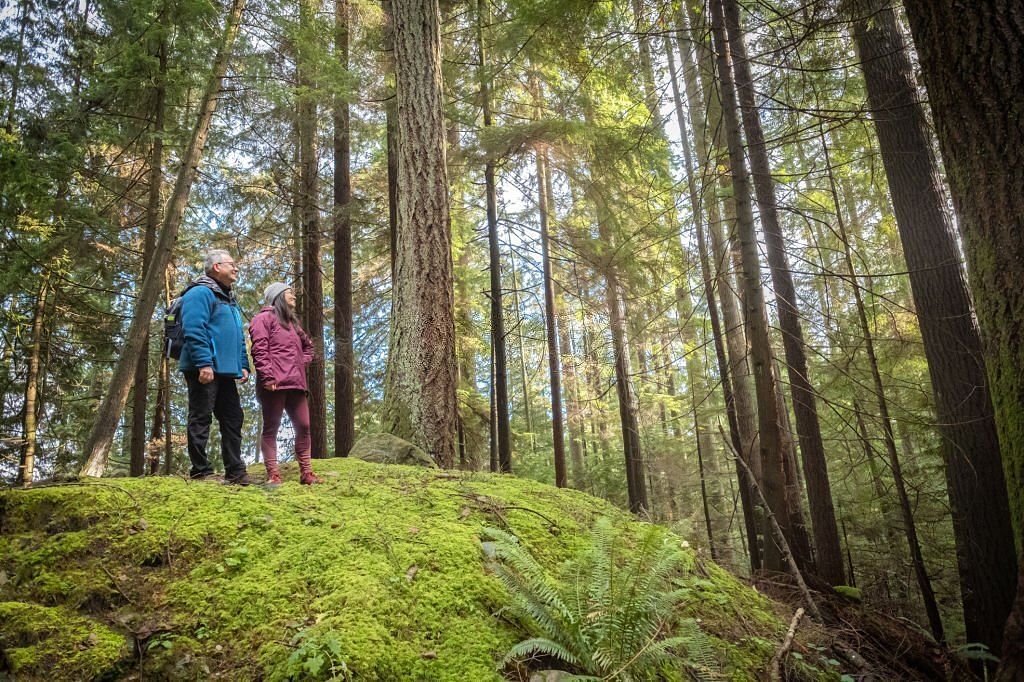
281	351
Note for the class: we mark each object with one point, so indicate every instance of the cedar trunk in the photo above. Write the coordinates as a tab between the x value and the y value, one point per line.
419	394
952	344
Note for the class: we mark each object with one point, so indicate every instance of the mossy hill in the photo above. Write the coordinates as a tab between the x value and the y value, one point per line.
377	574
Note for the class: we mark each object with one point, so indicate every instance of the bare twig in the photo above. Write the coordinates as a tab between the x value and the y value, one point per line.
116	586
776	673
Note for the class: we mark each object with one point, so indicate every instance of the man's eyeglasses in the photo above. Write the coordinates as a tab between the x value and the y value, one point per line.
230	263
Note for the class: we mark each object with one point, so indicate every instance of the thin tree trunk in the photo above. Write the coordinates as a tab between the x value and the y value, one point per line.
527	409
344	355
312	271
504	442
829	557
707	201
137	464
628	408
419	393
492	422
19	60
108	415
551	326
26	467
754	312
391	132
909	525
156	430
952	344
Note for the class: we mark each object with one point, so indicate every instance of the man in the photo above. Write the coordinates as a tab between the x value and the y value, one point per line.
213	358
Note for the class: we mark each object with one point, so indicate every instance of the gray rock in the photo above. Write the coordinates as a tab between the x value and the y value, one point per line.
383	448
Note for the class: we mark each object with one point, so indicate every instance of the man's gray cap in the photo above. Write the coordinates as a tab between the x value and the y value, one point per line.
274	290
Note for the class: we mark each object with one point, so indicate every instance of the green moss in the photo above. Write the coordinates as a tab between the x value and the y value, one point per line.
56	643
378	571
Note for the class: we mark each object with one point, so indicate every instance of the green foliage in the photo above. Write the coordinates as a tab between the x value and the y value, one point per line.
612	615
316	657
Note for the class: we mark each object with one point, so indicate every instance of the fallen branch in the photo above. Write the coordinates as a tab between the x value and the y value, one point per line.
776	666
116	585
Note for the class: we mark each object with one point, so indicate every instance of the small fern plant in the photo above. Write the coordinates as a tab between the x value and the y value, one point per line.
611	618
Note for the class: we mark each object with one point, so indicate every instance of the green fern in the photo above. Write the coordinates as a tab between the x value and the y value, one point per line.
612	615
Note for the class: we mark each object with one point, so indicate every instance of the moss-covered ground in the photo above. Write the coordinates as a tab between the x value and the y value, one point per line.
377	574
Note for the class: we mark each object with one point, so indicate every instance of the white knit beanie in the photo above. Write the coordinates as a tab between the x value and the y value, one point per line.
274	290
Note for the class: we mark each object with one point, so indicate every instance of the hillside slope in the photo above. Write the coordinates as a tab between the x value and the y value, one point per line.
378	574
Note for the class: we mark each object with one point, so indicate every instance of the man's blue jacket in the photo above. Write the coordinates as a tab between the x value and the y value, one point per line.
212	325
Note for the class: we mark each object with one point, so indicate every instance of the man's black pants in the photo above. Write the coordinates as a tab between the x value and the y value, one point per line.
218	398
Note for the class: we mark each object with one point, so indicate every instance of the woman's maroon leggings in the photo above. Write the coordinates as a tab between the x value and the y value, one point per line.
274	404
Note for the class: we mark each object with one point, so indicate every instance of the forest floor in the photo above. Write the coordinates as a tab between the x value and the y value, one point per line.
377	574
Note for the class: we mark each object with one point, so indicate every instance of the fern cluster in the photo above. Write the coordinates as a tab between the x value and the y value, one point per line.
611	617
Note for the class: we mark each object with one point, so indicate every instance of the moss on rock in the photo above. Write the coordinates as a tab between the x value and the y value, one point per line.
377	574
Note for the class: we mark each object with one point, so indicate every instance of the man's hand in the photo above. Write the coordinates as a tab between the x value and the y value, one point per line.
272	386
245	375
206	375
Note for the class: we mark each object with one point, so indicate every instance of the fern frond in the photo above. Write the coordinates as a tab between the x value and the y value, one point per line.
539	645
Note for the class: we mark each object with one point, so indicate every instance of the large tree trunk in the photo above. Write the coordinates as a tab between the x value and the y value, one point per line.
344	356
829	557
503	431
108	415
312	271
970	55
137	464
419	394
970	443
754	311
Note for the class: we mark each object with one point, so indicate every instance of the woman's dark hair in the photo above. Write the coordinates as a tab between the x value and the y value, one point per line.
285	314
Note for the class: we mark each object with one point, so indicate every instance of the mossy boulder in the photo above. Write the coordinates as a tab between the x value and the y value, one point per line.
384	448
377	574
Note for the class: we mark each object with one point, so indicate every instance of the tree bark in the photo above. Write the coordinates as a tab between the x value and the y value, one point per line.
344	355
137	465
829	557
419	394
952	344
754	313
108	415
503	431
